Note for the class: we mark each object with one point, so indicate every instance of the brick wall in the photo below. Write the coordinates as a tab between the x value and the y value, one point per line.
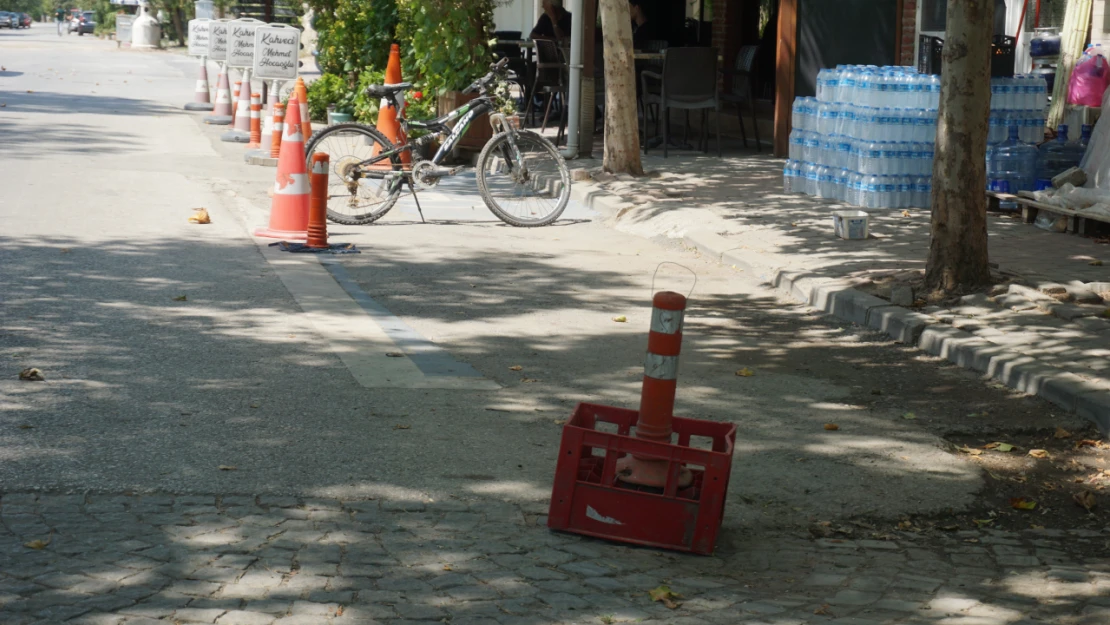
909	31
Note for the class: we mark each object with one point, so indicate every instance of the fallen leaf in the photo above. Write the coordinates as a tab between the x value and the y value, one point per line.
969	450
528	380
200	217
666	596
1003	447
823	610
1038	453
447	567
65	250
1021	503
1093	263
26	426
393	354
31	374
982	522
181	298
402	427
228	467
909	415
29	91
620	319
1061	433
745	372
515	368
1088	443
1086	499
905	213
831	426
254	405
37	544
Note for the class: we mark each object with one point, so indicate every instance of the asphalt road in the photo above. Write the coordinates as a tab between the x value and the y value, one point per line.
272	370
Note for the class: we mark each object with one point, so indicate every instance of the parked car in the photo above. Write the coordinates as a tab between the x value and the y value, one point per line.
8	20
87	24
25	20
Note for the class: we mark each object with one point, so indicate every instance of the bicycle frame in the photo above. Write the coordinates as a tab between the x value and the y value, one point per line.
465	114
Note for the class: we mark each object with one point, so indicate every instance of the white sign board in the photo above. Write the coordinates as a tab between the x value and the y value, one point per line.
217	39
123	28
198	37
276	48
240	42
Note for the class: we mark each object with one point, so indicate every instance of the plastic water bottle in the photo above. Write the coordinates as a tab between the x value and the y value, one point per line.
1056	157
1084	136
788	176
934	91
1040	88
923	193
809	183
1011	166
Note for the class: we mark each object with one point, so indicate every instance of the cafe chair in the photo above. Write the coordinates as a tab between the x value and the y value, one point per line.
741	92
688	82
550	81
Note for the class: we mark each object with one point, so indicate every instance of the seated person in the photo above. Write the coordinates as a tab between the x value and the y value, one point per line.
554	23
643	29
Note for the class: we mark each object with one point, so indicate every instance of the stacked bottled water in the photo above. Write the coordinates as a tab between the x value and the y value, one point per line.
867	139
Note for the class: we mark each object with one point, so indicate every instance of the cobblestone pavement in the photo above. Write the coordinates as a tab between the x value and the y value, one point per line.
238	560
1063	320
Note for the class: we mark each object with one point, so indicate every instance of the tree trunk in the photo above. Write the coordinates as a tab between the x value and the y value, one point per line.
958	252
622	135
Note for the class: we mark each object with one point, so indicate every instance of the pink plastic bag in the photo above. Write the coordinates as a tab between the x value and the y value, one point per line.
1089	80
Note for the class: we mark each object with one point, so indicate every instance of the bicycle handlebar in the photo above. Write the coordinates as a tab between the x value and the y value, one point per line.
495	70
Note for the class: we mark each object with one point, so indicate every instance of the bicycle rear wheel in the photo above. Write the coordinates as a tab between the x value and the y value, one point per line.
357	195
529	196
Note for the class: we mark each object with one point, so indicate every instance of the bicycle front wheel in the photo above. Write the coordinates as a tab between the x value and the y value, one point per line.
525	185
357	195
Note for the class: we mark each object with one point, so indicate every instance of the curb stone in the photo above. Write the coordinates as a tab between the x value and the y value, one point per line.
1024	373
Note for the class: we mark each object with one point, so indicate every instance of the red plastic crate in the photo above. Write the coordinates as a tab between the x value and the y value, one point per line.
588	499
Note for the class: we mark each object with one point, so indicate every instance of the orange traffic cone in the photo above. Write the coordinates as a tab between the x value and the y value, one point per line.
241	127
235	100
221	115
387	112
200	96
289	210
302	97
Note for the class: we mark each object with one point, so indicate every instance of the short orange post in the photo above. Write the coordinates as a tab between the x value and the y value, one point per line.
279	126
256	122
318	202
657	397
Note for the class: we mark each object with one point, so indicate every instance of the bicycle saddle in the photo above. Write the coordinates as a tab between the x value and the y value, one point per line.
384	91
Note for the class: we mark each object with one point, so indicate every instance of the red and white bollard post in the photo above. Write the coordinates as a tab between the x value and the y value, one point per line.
318	202
657	397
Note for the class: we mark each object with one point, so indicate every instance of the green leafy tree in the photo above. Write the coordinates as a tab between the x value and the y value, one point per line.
353	35
445	43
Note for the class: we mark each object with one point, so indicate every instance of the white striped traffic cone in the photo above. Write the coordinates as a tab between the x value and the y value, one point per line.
289	209
221	114
241	133
200	96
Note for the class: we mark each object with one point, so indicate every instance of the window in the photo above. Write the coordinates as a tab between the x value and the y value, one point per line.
934	12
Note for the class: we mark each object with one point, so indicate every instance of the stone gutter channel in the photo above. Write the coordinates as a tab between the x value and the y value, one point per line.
944	333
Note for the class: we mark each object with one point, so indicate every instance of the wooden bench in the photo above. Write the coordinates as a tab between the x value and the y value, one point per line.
1077	220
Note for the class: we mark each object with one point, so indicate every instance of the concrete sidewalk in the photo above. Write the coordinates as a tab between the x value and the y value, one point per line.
1044	329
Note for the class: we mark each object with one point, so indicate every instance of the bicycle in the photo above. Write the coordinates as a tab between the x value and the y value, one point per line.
522	178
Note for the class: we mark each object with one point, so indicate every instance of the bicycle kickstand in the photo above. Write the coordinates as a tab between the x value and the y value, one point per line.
412	188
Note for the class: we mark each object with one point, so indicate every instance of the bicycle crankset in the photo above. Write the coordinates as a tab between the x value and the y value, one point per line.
426	174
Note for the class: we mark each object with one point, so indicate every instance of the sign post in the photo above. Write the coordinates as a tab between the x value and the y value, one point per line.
276	51
217	51
240	54
123	29
198	46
